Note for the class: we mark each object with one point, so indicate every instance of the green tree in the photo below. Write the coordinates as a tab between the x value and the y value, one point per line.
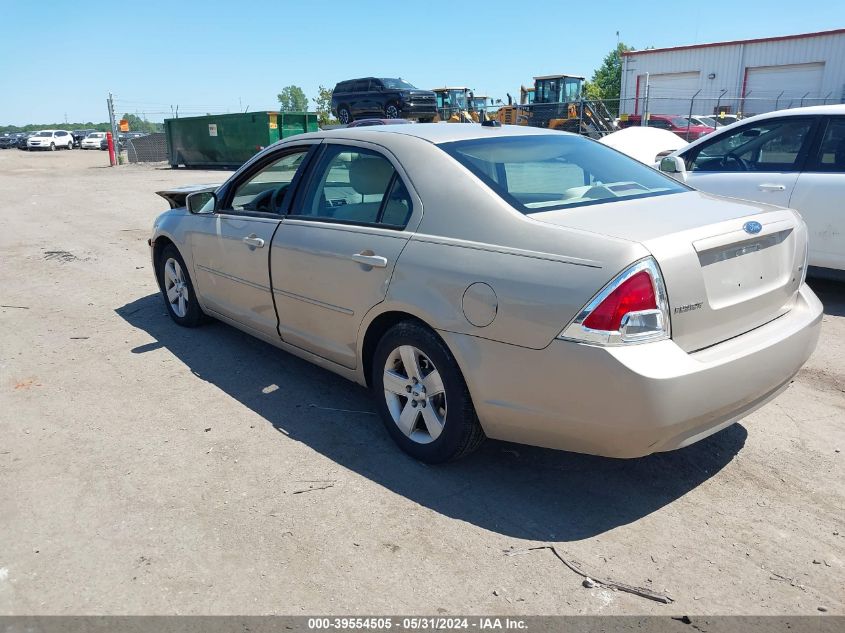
607	79
323	103
137	124
292	99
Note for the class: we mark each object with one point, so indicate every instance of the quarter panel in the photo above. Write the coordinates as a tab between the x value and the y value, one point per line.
535	297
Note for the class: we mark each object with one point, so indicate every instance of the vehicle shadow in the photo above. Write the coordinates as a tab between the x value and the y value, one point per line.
831	293
514	490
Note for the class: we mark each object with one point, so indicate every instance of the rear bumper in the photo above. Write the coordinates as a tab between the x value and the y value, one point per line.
636	400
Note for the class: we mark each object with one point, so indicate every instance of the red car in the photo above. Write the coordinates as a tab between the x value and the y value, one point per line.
679	125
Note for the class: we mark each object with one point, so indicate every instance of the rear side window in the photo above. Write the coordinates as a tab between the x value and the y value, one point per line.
773	145
358	186
831	154
343	86
542	173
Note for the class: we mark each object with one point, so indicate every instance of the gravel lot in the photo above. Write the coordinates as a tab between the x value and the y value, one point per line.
145	468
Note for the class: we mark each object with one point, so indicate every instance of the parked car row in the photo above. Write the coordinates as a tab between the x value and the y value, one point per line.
53	140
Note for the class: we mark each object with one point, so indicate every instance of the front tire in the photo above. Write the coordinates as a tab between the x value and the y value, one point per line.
422	397
177	288
391	111
52	147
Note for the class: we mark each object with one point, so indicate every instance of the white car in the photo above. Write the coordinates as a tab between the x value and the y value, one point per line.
789	158
50	139
93	141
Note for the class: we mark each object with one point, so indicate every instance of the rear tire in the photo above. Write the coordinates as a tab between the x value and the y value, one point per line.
177	289
422	397
344	115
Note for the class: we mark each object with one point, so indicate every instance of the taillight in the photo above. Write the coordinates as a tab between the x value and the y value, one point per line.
632	308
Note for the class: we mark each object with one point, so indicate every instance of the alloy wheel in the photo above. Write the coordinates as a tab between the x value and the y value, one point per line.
176	287
391	112
415	395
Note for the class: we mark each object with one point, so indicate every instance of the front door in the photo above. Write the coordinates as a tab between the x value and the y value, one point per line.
334	254
758	161
231	251
817	197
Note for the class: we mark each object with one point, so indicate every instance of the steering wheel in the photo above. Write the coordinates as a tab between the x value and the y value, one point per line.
268	200
734	163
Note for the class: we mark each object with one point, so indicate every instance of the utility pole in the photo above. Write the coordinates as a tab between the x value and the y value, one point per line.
113	123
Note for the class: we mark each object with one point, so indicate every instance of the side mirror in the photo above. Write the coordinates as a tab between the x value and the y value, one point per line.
675	167
201	202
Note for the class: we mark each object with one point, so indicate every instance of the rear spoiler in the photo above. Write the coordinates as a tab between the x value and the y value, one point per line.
176	196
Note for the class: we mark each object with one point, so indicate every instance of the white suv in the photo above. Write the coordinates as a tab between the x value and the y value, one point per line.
789	158
50	139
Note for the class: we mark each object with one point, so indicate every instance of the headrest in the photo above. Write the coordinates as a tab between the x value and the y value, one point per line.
370	175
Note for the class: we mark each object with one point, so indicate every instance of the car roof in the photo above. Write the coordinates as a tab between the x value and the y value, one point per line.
838	108
432	132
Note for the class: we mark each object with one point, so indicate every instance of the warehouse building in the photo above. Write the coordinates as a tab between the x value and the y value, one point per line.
744	76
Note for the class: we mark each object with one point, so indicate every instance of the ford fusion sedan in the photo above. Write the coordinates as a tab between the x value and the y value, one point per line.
50	140
506	282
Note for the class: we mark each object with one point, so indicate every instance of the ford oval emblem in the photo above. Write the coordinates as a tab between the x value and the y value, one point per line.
752	227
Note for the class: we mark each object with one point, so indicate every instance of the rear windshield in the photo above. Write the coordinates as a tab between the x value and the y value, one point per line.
397	84
546	172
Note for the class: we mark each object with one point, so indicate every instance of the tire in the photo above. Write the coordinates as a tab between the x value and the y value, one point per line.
175	283
344	115
52	147
440	425
70	145
391	111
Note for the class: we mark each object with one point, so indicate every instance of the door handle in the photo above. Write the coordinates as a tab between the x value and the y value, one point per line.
771	187
376	261
254	241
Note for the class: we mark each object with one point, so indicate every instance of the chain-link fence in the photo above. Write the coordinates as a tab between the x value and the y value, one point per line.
151	148
684	103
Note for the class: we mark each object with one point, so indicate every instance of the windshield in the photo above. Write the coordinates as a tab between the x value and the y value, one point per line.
397	84
542	173
681	121
96	135
44	134
706	120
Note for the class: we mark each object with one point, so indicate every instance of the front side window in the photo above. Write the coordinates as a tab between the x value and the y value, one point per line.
542	173
265	191
831	155
774	145
397	84
356	185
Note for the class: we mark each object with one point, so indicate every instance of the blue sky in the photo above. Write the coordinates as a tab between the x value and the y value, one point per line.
223	56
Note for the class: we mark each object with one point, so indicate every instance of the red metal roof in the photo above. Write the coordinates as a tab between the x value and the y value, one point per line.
754	41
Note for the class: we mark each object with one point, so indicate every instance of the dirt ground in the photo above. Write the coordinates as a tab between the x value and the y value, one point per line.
146	468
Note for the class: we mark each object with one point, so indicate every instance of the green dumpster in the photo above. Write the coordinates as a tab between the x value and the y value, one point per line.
229	140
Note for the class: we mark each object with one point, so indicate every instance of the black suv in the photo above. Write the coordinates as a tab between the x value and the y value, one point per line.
381	97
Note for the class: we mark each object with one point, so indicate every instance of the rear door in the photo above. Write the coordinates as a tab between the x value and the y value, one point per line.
758	161
818	196
231	248
334	254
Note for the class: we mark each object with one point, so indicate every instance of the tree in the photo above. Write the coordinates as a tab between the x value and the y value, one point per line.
607	79
292	99
323	106
137	124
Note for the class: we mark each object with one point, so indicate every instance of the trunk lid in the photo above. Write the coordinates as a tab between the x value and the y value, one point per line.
721	279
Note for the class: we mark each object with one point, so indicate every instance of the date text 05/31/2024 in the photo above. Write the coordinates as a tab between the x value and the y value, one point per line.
479	623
